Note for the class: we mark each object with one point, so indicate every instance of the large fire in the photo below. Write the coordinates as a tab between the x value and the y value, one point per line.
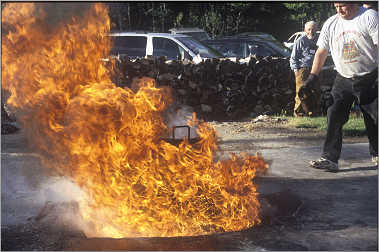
108	139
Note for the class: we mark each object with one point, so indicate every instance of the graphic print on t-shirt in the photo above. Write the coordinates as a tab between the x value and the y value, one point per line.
349	50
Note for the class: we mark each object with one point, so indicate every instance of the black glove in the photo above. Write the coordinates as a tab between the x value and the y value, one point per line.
306	89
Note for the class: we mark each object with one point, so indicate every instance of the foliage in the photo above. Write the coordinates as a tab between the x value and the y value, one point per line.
214	21
304	12
219	18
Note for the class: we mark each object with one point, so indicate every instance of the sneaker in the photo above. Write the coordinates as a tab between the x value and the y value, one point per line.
323	163
374	159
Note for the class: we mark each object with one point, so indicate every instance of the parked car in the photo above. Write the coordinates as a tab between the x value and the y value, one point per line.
264	36
244	46
267	38
292	39
258	35
173	46
195	32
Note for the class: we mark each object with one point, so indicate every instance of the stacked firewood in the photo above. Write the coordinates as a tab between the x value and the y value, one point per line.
219	88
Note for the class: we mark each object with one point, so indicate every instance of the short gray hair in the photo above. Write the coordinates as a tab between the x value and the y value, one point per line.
310	23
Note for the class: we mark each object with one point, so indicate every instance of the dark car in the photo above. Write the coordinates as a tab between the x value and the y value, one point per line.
244	46
266	37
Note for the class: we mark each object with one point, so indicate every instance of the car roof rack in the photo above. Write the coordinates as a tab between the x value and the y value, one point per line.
186	29
130	31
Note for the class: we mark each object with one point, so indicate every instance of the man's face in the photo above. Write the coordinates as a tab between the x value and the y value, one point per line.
310	30
346	10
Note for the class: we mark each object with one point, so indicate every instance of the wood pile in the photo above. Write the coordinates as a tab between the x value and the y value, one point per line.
219	89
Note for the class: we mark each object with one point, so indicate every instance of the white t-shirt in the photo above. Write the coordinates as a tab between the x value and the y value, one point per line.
352	43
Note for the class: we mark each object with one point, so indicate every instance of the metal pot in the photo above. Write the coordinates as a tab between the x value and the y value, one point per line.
176	141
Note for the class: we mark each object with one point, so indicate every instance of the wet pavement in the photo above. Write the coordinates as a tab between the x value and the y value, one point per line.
303	208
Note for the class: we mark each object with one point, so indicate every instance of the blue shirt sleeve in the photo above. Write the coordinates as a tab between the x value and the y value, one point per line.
296	52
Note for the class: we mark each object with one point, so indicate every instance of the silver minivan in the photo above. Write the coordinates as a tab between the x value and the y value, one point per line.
173	46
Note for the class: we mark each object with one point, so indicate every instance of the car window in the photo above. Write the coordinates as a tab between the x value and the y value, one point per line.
166	47
230	49
132	46
279	50
261	50
198	47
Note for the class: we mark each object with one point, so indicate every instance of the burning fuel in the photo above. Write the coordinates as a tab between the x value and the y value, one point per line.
107	139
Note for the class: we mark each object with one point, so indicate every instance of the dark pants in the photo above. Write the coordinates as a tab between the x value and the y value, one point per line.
363	90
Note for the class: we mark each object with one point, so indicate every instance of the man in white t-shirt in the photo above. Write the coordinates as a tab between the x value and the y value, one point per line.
352	38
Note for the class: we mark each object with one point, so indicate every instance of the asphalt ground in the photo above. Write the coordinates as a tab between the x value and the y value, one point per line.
304	208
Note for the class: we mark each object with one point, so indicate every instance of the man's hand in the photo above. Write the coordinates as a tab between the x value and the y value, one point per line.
306	89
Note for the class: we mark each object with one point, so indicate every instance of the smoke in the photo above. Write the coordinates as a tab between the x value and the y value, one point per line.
28	194
60	199
57	13
50	15
60	189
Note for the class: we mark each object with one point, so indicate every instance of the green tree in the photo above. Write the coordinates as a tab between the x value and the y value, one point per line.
214	20
219	18
303	12
178	20
238	12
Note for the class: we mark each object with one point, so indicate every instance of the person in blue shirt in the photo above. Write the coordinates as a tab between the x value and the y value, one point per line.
301	61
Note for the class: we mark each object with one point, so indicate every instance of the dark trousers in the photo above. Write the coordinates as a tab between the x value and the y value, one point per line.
363	90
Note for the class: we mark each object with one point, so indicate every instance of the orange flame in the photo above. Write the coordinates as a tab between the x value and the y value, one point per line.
108	139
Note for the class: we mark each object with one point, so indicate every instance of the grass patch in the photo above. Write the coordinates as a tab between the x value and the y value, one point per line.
354	127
